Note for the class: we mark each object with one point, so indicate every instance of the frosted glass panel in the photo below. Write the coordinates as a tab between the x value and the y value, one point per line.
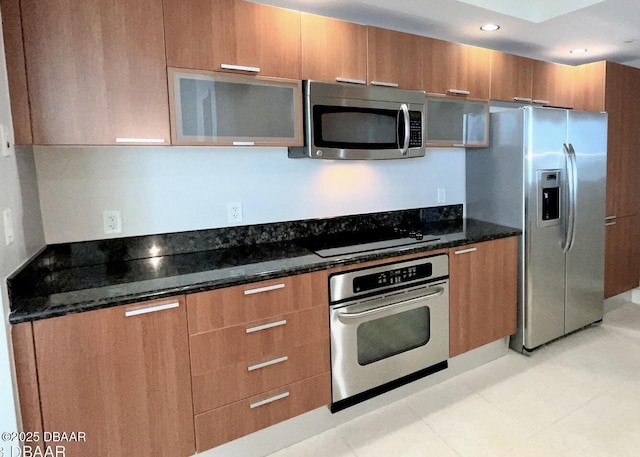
227	109
456	122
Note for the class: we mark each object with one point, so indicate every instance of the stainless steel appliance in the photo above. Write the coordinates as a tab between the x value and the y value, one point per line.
545	173
389	326
349	121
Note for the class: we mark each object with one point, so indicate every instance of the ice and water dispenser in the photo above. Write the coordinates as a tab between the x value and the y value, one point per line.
549	194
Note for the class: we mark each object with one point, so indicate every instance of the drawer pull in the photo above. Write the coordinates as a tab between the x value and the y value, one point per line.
141	140
608	218
384	84
340	79
542	102
268	400
227	66
459	92
465	251
268	363
266	326
151	309
263	289
610	223
522	99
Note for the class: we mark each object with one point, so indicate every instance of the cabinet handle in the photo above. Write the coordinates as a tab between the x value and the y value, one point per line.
542	102
459	92
264	289
384	84
151	309
268	363
610	223
458	145
340	79
465	251
608	218
266	326
522	99
226	66
140	140
269	400
244	143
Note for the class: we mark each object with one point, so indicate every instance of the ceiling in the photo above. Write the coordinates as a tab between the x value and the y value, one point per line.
539	29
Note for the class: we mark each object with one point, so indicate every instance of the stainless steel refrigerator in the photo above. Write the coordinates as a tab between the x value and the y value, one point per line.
545	172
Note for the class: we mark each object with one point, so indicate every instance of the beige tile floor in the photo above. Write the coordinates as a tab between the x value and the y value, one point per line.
579	396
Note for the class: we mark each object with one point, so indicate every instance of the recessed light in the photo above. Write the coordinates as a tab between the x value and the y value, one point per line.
578	51
489	27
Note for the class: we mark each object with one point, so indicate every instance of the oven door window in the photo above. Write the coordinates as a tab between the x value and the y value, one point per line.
388	336
347	127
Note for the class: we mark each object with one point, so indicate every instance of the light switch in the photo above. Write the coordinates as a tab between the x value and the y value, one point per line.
5	144
7	218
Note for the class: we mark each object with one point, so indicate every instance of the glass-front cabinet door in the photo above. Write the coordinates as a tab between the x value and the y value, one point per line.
457	122
209	108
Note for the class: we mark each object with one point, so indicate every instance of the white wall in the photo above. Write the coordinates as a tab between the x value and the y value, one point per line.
18	192
171	189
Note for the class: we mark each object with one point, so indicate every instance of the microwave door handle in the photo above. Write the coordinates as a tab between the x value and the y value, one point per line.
404	109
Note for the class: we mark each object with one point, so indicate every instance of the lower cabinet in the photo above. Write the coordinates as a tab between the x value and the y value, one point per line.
121	376
271	358
483	280
622	256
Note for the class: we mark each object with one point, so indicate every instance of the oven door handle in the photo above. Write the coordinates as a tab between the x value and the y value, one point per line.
438	291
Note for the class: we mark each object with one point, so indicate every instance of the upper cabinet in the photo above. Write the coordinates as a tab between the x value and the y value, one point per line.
511	77
553	84
455	69
589	87
394	59
16	71
457	122
333	50
96	71
233	35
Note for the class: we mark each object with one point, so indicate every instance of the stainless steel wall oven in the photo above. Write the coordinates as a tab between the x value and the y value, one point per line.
389	326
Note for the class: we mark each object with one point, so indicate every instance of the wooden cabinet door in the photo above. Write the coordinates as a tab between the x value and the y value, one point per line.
122	378
623	161
553	84
511	77
394	58
588	92
482	293
622	255
333	50
222	35
96	71
455	69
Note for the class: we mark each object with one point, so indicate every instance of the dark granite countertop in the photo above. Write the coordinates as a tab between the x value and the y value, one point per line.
57	282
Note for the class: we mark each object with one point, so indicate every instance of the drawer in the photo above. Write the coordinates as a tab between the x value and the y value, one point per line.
221	308
256	340
242	380
247	416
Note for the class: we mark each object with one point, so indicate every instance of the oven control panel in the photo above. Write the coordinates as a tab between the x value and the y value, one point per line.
391	276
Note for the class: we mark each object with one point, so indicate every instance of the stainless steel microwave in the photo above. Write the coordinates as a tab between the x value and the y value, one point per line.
348	121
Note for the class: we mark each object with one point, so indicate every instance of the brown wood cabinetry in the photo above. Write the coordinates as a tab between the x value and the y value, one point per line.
589	87
16	70
455	69
511	77
226	35
121	375
394	58
271	360
553	84
622	262
96	71
482	293
333	50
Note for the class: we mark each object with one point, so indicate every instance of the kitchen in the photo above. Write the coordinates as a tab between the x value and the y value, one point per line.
159	176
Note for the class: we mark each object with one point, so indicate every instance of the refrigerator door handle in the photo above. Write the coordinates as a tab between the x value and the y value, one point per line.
570	226
573	197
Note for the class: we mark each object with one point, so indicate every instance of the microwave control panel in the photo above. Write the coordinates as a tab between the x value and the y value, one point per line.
415	129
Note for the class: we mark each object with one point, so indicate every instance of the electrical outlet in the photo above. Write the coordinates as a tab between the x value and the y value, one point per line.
5	143
112	222
7	218
234	212
442	195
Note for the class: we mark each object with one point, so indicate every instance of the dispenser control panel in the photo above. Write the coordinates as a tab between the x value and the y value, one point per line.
549	197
